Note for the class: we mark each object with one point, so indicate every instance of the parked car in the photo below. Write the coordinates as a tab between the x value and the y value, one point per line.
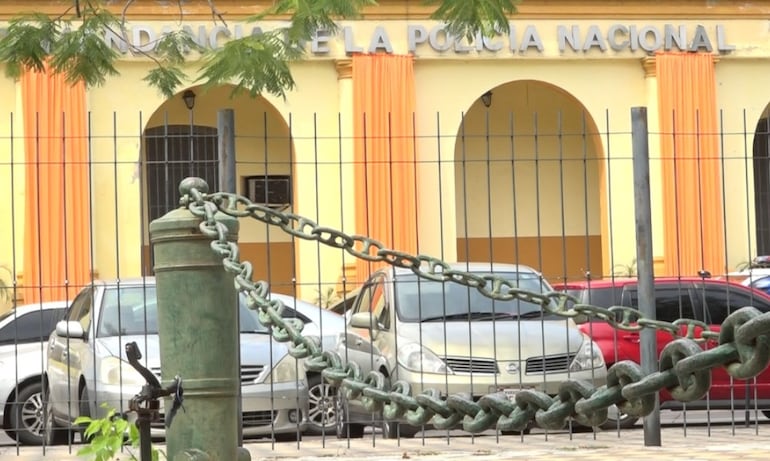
450	337
24	334
705	299
87	365
328	326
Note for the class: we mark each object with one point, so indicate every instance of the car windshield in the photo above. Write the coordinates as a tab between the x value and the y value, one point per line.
420	300
134	311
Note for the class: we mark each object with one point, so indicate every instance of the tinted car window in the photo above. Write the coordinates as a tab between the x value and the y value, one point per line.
129	311
602	297
31	327
671	303
722	301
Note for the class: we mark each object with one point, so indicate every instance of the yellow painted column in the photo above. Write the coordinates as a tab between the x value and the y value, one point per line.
656	182
344	69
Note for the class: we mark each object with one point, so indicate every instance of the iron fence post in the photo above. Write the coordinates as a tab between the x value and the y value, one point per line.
644	264
198	331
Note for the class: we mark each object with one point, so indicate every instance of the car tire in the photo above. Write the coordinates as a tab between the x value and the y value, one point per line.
84	409
618	420
321	407
345	429
27	416
53	434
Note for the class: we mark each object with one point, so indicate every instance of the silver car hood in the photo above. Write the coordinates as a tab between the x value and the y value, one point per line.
504	340
256	349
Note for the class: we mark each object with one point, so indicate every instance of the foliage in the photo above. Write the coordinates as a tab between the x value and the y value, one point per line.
107	436
625	270
326	298
73	43
6	289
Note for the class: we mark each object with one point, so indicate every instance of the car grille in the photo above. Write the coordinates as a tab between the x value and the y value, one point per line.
470	365
549	364
248	372
250	419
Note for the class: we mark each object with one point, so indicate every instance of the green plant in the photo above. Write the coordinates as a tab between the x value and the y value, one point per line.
6	289
625	270
107	436
327	298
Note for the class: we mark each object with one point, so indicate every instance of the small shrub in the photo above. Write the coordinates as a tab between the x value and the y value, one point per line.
107	437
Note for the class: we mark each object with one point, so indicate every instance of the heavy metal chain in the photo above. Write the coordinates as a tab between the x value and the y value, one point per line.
684	367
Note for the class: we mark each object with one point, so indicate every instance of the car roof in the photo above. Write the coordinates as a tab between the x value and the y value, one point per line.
474	267
622	281
26	308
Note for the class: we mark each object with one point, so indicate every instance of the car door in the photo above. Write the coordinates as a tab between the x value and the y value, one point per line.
718	302
357	345
672	301
64	366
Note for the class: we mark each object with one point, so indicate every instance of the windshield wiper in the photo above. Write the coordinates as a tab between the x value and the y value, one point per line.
511	315
483	316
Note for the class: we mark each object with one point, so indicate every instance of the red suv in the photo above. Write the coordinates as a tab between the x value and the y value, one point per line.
708	300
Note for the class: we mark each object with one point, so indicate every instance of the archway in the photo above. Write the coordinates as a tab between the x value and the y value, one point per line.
180	142
527	176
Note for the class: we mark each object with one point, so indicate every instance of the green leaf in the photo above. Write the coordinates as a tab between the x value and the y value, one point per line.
308	16
267	70
173	47
27	43
82	53
465	18
165	79
86	450
93	427
133	435
83	420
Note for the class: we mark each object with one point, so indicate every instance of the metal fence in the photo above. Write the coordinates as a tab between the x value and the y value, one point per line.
550	201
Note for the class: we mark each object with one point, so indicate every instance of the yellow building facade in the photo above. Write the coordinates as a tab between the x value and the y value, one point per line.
539	174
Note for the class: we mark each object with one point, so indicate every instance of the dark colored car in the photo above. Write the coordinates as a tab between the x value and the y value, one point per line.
704	299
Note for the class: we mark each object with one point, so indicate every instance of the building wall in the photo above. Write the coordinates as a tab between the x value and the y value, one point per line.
603	84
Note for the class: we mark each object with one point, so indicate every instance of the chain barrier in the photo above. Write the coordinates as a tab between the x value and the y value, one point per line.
684	367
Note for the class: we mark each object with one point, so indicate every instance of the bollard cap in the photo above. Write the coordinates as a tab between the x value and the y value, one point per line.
189	183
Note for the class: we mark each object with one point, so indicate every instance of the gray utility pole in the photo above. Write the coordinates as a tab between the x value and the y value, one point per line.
226	155
649	349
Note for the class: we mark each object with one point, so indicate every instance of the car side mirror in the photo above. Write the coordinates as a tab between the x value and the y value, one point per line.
364	320
67	329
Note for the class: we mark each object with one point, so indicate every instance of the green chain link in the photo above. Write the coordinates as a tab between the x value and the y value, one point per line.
684	367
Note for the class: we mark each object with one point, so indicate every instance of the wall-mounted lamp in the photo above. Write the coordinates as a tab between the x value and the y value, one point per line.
486	99
189	99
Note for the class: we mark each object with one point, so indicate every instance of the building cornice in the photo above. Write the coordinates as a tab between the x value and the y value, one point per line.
409	9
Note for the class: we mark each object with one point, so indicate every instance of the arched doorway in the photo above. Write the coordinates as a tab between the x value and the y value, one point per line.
527	176
179	142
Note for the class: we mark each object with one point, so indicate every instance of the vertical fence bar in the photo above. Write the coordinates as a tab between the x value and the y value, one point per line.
643	214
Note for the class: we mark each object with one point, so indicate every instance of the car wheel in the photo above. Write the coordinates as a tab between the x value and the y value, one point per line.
321	407
616	419
84	410
27	416
53	434
345	429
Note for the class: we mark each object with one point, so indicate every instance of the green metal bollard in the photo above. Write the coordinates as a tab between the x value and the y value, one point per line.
199	340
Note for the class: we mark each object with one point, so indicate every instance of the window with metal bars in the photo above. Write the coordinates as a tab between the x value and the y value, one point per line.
174	152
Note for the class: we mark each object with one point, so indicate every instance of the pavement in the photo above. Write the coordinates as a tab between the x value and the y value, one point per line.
682	443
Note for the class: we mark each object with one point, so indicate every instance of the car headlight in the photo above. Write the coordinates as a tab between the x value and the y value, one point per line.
113	371
413	356
286	370
589	356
